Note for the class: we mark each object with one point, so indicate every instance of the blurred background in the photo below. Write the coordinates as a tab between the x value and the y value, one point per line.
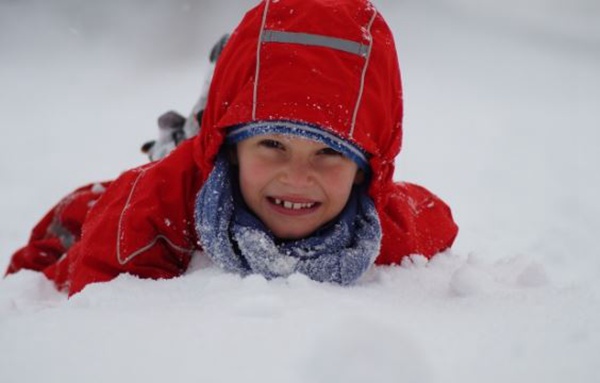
501	102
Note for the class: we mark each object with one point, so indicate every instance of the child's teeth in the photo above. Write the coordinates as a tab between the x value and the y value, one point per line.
292	205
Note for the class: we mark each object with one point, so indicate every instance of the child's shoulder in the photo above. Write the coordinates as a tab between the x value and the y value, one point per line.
165	184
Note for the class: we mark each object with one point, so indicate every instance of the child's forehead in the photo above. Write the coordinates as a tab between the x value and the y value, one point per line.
298	133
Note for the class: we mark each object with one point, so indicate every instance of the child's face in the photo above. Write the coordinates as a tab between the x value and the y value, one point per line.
294	185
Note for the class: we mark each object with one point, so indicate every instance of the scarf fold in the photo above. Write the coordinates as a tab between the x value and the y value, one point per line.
238	241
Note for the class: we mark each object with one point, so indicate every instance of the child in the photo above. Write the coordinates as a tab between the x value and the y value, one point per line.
290	172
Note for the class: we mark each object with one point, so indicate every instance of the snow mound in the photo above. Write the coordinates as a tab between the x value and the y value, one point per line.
421	321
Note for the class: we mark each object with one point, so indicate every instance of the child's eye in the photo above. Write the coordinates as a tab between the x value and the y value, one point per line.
271	144
330	152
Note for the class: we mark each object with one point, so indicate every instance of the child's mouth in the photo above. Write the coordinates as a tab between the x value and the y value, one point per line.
293	207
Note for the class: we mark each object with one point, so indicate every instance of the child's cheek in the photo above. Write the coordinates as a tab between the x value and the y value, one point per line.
254	175
259	165
339	172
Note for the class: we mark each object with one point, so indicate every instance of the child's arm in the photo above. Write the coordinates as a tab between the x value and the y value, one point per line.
414	221
143	225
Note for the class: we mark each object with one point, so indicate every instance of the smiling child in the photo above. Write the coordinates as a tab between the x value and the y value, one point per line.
291	170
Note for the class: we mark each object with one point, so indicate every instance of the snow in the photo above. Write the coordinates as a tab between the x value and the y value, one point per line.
501	121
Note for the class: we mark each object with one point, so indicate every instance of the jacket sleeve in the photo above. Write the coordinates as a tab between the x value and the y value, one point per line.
143	225
414	221
57	231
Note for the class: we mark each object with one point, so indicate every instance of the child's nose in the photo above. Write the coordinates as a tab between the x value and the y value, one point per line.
298	173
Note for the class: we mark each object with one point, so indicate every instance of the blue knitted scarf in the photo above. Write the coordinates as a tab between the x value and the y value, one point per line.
238	241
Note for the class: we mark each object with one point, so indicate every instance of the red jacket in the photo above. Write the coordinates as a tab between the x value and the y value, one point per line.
324	62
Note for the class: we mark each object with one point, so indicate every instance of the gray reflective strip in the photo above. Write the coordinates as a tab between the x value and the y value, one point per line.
66	238
269	36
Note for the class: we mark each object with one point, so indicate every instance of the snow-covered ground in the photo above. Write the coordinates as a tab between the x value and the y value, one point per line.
501	121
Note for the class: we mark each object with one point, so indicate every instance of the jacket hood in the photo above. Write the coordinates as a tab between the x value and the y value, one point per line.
330	63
